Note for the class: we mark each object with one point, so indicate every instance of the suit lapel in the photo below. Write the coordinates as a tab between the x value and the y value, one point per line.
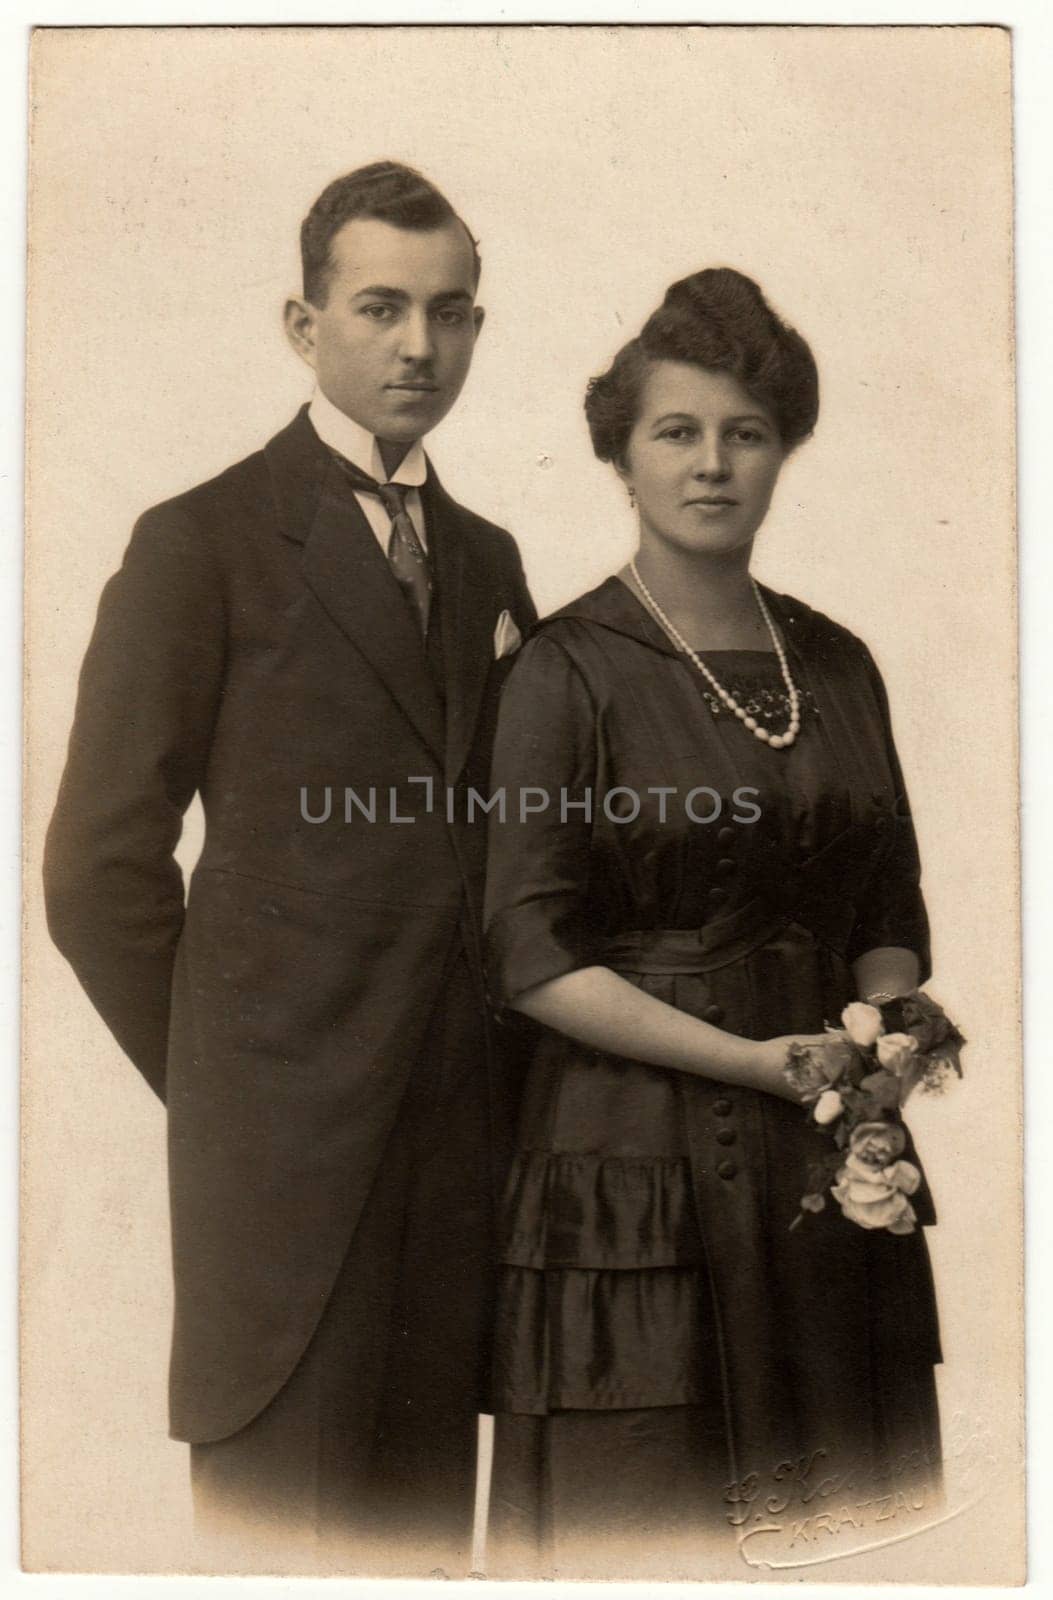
468	612
345	568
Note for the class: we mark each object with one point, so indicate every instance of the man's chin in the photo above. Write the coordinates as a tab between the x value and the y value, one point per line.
411	415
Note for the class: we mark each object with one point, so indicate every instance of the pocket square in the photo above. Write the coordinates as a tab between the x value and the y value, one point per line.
507	637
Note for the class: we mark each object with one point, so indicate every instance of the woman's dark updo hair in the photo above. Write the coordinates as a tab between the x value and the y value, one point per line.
719	320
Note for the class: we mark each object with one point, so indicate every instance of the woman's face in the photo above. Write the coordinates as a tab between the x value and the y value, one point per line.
703	458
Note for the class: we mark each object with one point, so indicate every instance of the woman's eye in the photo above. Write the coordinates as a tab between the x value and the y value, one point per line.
747	435
677	434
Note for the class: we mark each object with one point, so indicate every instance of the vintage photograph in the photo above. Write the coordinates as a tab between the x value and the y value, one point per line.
522	978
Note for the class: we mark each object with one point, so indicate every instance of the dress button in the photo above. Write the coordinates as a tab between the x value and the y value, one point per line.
724	866
726	1136
722	1108
714	1013
725	835
717	895
726	1169
881	822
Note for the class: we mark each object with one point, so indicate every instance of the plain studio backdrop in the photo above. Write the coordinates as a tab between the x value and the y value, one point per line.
863	177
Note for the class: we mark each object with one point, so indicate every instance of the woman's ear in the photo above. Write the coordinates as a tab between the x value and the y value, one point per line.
621	467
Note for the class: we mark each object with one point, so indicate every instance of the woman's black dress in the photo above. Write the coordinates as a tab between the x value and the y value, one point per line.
664	1338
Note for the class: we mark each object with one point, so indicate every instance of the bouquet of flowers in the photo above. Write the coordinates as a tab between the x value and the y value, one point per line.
856	1083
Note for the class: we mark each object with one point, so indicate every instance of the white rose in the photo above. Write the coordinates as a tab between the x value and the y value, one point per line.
904	1175
873	1204
896	1051
828	1107
862	1023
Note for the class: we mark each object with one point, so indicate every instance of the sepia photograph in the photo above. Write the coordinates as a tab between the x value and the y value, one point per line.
522	981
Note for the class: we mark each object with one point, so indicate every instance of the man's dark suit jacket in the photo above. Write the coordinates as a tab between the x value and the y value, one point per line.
255	643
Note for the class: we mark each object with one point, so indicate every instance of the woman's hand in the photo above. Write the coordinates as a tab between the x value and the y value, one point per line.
771	1059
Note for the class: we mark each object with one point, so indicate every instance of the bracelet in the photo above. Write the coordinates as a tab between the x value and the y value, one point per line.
882	994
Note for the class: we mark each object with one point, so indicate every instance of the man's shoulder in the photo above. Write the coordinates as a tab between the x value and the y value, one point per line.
223	515
237	488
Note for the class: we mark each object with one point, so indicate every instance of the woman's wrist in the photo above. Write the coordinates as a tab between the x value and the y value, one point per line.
754	1064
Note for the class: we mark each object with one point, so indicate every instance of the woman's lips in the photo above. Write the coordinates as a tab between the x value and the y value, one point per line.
712	506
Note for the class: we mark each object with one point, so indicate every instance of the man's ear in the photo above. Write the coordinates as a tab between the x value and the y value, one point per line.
299	317
478	317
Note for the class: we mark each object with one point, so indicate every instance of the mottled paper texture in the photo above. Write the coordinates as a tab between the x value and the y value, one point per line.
863	176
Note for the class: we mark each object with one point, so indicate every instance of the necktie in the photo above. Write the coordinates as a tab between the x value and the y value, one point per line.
408	560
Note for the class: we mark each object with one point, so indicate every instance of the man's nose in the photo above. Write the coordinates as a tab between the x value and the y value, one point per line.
710	460
416	342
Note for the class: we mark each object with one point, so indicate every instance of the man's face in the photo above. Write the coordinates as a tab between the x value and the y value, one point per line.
393	343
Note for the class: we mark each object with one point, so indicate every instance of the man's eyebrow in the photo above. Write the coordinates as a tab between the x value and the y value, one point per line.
381	289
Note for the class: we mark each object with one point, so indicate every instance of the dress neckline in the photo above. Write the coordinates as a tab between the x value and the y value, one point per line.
763	655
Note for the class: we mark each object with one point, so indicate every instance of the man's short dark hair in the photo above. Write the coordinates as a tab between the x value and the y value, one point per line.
385	190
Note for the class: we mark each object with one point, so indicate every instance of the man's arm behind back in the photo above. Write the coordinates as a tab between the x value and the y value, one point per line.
146	703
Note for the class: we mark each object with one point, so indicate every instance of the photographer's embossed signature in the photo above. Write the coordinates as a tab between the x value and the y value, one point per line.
804	1515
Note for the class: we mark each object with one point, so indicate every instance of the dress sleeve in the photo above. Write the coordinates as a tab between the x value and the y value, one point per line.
892	909
538	862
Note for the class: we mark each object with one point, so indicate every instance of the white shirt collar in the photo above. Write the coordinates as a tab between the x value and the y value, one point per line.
340	432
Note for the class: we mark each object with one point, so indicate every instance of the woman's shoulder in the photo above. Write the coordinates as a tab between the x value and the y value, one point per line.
606	613
811	628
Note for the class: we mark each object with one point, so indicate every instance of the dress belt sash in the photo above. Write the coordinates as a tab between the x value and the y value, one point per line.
829	916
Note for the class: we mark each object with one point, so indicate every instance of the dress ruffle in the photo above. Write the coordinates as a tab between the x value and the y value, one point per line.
608	1213
581	1339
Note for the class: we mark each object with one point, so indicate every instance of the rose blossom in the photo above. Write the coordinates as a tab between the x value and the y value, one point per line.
898	1175
828	1107
812	1068
874	1204
805	1072
925	1021
904	1175
896	1052
862	1023
876	1197
877	1143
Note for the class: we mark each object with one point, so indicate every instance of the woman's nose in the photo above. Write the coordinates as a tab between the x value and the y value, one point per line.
710	458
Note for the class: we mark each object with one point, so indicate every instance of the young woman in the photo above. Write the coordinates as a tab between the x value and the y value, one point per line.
724	860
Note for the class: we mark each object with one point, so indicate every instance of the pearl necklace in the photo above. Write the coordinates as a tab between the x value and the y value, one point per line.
777	741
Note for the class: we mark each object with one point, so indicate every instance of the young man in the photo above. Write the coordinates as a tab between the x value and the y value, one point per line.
314	642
